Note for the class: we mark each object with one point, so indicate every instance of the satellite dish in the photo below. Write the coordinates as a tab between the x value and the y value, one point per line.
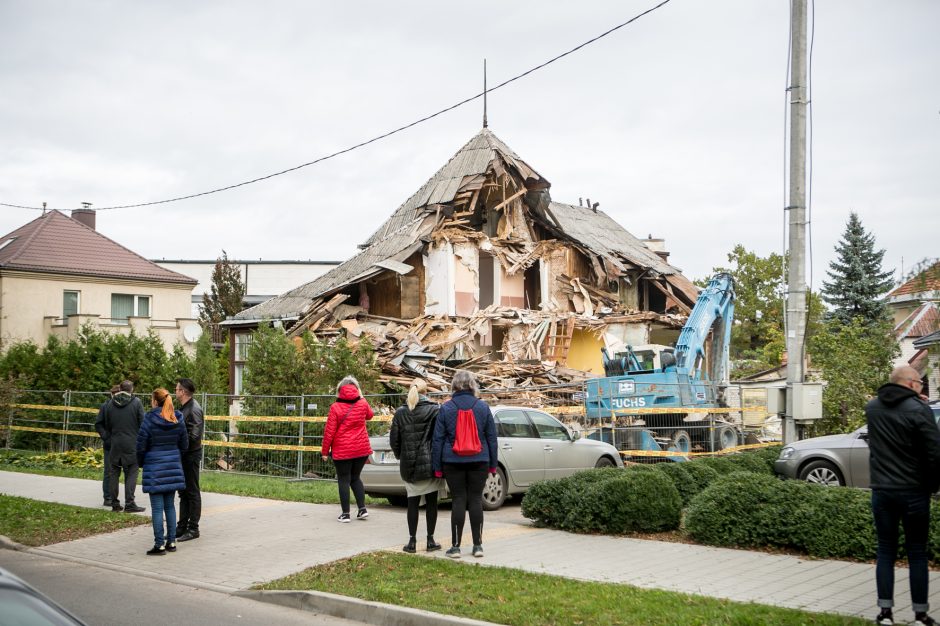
192	332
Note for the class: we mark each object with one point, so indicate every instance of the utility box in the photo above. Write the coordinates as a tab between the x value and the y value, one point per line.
776	400
807	401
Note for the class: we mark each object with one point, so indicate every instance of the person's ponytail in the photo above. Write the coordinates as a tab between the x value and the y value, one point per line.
165	401
418	387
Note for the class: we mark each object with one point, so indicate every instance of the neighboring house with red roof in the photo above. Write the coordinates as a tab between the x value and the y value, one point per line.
57	273
914	305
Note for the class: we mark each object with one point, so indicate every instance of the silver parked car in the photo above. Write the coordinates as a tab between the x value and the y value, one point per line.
835	460
533	446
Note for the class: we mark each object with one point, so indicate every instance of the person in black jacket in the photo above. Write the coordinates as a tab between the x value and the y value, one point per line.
106	446
410	438
187	527
122	417
904	446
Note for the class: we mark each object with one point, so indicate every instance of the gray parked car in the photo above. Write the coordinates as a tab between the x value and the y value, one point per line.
533	446
835	460
20	603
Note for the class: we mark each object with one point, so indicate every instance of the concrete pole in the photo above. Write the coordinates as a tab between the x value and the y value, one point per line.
796	278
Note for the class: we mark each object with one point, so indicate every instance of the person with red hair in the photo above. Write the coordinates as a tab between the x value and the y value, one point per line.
160	442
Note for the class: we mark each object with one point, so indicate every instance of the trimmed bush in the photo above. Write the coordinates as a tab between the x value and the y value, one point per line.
739	509
702	474
747	510
548	502
681	478
638	501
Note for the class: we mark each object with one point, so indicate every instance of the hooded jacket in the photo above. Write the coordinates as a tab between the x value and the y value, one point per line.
159	445
345	436
122	416
903	440
410	439
442	447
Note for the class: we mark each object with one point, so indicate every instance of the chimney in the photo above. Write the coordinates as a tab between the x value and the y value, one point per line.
85	215
657	245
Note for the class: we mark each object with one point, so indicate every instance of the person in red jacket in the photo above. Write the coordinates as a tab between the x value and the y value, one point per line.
346	441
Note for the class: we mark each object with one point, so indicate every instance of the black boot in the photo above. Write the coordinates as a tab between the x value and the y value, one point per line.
433	546
411	546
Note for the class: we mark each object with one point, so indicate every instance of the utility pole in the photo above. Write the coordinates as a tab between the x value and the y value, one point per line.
796	205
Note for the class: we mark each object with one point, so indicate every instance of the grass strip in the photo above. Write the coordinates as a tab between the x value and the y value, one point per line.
35	523
518	598
312	491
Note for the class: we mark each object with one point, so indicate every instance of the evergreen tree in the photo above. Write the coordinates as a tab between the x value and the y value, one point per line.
226	294
856	281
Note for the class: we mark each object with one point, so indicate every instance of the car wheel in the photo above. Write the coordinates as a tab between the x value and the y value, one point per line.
397	500
494	491
822	473
604	461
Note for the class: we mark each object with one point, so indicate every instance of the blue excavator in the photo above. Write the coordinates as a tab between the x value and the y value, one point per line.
649	409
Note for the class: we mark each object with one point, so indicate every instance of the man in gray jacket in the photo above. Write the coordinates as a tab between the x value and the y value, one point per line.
122	416
904	446
187	526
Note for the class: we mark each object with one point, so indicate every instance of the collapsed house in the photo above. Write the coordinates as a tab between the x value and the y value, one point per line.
481	269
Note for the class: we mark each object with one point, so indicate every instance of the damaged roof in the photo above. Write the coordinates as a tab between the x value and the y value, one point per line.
401	234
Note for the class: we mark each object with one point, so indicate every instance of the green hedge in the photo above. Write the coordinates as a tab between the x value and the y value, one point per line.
753	510
637	501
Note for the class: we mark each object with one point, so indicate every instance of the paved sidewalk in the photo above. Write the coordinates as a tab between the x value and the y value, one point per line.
247	541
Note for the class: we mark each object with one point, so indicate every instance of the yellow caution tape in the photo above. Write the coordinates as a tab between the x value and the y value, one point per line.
671	453
309	419
52	407
55	431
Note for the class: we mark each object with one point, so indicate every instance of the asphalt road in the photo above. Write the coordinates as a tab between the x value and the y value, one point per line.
103	597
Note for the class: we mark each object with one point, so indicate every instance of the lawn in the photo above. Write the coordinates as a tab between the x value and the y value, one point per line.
312	491
510	596
35	523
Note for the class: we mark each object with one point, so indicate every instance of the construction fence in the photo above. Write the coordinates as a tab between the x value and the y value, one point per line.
282	435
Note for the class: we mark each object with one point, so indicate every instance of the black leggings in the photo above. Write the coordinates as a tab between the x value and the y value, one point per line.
347	475
466	481
430	513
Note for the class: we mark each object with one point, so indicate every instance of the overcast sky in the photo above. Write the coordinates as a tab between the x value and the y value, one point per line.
674	124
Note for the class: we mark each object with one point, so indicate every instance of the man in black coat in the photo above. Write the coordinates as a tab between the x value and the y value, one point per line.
187	526
904	448
106	445
122	417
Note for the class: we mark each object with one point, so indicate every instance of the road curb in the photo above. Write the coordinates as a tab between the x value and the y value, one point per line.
358	610
8	544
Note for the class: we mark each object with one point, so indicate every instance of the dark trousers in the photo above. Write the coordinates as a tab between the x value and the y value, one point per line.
911	510
466	482
347	476
130	481
430	513
106	475
191	497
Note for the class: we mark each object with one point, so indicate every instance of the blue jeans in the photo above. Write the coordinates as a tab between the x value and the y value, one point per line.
912	510
161	503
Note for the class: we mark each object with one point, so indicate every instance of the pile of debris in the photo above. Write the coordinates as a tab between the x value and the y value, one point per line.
434	346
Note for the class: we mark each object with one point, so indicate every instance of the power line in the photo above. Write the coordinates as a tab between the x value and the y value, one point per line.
374	139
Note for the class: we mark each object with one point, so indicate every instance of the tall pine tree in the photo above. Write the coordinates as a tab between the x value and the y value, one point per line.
226	294
856	281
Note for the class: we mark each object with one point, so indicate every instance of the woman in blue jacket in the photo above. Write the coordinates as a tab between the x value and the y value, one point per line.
465	473
160	441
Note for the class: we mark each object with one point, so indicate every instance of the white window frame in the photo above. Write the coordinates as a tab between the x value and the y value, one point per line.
138	298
